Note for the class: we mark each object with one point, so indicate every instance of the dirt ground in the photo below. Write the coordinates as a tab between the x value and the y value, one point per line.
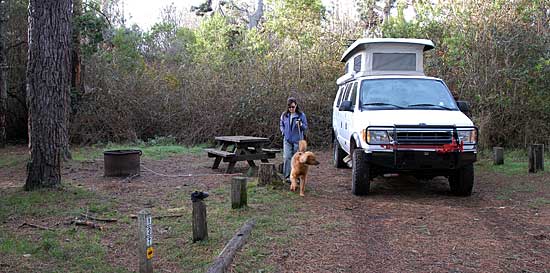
405	225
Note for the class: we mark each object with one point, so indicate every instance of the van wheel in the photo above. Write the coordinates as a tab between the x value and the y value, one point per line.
461	182
360	173
338	155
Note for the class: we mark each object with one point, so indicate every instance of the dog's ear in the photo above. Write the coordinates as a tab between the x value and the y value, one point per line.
311	159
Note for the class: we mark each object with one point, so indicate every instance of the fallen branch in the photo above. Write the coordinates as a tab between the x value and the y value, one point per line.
89	224
34	226
133	216
224	260
97	219
129	178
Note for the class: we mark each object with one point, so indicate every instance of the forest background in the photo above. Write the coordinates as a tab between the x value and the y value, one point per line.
232	73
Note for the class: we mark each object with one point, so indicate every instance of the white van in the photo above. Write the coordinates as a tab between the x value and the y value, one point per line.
390	119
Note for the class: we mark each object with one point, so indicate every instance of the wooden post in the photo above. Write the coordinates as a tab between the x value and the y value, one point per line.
265	174
200	229
536	158
145	237
498	155
238	192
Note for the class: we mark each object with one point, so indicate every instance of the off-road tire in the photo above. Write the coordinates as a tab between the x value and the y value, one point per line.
360	173
461	182
338	155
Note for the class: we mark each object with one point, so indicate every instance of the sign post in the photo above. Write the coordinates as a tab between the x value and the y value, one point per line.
145	245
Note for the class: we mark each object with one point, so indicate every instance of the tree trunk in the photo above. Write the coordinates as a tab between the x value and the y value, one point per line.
76	64
3	72
77	69
255	18
48	84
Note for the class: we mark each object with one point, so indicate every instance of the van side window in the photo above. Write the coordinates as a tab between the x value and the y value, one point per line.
353	94
357	63
346	95
340	93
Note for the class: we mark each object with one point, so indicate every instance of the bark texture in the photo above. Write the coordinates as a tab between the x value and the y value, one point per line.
48	84
3	73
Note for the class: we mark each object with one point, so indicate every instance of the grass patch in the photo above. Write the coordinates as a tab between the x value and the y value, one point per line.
539	202
516	162
69	249
507	193
62	249
7	161
66	201
65	250
273	211
151	150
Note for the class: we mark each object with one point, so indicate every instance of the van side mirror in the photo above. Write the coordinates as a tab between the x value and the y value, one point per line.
346	106
463	106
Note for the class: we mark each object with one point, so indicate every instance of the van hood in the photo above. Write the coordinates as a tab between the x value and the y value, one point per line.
412	117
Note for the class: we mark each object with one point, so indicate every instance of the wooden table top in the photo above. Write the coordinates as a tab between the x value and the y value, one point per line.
242	139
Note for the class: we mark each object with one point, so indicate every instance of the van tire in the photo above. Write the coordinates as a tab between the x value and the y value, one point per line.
338	155
360	173
461	182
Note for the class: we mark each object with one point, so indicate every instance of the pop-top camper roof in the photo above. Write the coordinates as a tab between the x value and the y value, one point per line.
384	56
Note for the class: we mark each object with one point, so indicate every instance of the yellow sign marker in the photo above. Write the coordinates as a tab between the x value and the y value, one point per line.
150	252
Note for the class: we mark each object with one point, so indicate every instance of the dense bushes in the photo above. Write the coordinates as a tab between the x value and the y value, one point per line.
223	78
226	80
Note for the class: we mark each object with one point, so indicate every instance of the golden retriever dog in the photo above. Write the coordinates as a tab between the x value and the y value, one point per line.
299	167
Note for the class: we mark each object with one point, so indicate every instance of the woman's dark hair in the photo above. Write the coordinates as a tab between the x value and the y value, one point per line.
290	101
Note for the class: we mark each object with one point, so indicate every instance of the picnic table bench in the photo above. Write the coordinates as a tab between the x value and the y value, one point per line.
240	148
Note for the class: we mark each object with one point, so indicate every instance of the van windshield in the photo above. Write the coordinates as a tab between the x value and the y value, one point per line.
381	94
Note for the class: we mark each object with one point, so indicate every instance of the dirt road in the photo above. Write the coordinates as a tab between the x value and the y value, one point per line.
407	225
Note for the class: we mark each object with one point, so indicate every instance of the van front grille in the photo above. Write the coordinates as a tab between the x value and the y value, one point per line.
424	137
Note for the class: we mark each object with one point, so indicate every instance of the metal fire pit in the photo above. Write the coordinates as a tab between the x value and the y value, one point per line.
121	162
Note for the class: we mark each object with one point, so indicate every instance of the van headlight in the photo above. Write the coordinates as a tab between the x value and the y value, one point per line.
378	137
467	136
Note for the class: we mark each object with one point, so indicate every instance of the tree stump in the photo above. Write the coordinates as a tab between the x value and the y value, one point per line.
266	173
238	192
498	155
200	229
281	168
536	158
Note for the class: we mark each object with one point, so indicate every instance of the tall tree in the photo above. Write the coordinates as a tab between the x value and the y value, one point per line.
48	85
76	64
3	72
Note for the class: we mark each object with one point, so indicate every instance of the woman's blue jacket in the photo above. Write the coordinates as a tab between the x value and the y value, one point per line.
290	130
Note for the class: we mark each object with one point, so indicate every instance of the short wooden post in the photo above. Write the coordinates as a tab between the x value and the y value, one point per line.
145	237
265	174
536	158
238	192
498	155
200	229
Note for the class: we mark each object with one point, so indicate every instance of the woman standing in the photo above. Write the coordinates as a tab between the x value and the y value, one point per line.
293	125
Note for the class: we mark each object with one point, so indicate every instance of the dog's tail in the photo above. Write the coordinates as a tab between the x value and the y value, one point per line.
302	146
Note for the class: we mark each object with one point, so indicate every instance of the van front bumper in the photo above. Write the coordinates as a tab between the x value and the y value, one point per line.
425	161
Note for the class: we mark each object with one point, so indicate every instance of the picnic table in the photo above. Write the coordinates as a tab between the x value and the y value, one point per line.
240	148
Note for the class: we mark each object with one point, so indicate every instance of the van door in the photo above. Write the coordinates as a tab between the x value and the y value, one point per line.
341	117
335	111
347	116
